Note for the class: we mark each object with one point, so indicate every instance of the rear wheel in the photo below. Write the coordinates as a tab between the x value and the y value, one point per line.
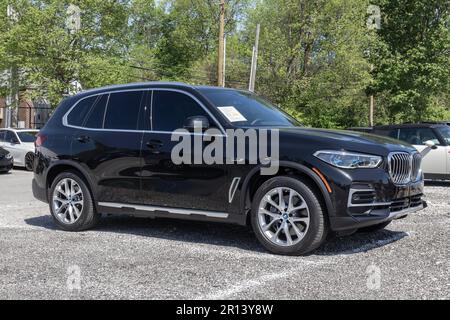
29	158
71	203
288	217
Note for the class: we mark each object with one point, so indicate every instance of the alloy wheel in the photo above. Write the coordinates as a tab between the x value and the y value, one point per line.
68	201
29	158
283	217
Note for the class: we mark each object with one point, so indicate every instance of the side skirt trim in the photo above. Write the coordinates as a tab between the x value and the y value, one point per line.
186	212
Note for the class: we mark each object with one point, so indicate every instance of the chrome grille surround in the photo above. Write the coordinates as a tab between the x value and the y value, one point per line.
416	167
405	167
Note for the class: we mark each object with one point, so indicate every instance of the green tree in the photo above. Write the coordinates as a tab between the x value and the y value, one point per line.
412	60
312	59
51	57
188	46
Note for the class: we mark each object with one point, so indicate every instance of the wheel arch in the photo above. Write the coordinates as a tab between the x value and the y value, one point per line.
66	165
254	179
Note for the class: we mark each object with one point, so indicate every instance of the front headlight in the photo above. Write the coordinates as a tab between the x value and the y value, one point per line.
349	160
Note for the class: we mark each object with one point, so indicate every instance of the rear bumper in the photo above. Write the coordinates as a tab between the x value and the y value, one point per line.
39	192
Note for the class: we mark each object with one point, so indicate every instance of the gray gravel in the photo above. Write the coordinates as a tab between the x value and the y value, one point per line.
127	258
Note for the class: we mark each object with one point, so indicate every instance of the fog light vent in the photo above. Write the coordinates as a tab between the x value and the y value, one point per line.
363	197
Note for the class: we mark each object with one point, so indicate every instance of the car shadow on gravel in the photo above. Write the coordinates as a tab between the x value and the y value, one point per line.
437	183
223	234
360	242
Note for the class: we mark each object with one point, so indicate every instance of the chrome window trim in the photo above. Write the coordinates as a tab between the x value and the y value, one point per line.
66	124
106	110
188	212
151	109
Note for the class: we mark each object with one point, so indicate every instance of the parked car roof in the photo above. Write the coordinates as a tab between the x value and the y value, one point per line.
360	129
19	130
410	125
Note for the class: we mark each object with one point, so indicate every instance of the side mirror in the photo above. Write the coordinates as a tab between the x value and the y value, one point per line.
430	144
196	123
15	141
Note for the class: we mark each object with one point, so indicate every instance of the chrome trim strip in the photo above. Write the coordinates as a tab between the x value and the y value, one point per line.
186	212
402	213
66	124
106	111
233	189
373	204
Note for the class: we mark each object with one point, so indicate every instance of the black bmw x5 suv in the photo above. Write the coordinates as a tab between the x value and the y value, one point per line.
109	150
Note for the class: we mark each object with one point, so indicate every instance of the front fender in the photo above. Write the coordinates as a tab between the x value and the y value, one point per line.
299	168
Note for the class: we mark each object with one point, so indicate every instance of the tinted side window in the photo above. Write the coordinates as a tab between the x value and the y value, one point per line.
10	136
96	115
2	136
418	136
170	110
123	110
392	133
77	115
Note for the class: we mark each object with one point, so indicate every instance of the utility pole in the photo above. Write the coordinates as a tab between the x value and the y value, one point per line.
220	67
254	66
371	103
224	60
13	98
73	25
371	110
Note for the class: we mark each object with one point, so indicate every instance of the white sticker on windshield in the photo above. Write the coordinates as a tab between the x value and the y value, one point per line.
232	114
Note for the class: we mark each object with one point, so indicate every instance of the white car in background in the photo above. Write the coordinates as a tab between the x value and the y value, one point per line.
436	163
20	143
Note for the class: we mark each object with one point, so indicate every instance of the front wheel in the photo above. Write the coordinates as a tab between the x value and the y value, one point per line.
71	203
29	158
288	217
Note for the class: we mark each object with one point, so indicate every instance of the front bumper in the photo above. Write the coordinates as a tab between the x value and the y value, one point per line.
374	217
363	198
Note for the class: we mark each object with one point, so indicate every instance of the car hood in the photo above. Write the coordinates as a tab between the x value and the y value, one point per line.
28	145
347	140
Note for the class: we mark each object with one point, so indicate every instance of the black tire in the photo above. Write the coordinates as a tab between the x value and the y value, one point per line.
318	228
29	159
89	217
375	228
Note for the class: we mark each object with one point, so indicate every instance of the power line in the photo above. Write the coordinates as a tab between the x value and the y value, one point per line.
168	74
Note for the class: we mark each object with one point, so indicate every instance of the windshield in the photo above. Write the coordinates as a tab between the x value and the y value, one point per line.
244	109
445	132
27	136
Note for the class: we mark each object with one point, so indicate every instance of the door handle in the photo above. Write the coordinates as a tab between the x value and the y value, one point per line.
83	139
154	145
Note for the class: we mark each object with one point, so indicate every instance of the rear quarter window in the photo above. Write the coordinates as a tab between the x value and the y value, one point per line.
96	116
78	113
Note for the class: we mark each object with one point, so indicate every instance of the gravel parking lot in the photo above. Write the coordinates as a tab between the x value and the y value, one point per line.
129	258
